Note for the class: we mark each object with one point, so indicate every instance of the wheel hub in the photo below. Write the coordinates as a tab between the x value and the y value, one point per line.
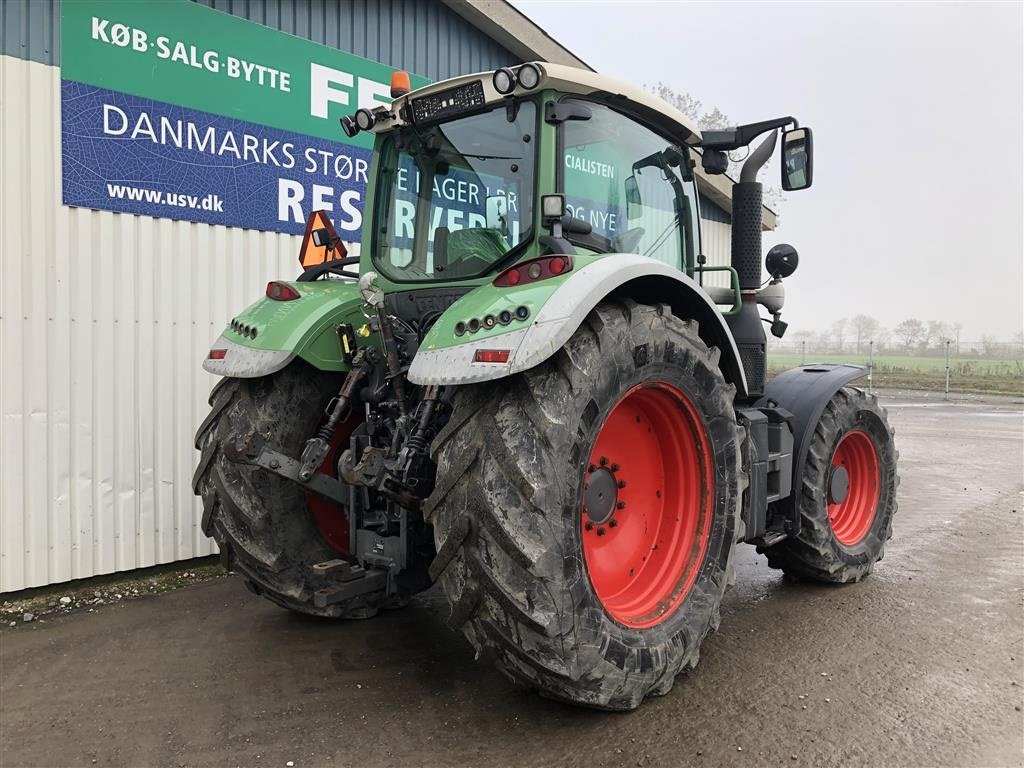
838	485
600	495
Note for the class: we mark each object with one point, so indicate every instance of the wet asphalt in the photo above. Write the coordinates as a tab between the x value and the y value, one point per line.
922	664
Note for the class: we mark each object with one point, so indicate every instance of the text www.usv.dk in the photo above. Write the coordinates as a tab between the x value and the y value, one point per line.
209	202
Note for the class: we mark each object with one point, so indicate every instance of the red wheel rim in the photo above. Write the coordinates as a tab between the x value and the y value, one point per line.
852	515
332	519
643	560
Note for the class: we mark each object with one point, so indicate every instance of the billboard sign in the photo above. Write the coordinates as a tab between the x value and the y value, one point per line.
174	110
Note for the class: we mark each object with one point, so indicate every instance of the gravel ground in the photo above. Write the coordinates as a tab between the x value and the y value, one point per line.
920	665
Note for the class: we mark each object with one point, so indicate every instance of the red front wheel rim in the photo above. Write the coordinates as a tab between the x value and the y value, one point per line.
853	498
647	505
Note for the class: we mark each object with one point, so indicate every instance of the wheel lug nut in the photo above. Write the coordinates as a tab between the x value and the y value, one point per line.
622	483
600	531
612	523
620	505
591	468
589	526
604	461
615	467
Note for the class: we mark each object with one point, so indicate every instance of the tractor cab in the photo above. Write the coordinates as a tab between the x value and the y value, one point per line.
480	172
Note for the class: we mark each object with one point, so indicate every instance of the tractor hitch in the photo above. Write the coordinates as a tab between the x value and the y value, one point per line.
252	449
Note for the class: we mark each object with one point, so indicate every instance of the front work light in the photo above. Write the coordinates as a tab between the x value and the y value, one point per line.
529	76
503	80
365	119
348	125
552	207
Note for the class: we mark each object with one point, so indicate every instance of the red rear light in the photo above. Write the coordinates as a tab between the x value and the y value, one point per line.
534	270
279	291
217	354
491	356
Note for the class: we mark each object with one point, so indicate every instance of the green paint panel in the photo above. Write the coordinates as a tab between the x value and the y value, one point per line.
488	299
305	325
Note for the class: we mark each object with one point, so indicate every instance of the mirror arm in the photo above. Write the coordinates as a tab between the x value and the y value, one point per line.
740	136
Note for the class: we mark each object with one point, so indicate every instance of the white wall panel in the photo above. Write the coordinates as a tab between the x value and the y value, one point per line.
104	321
716	244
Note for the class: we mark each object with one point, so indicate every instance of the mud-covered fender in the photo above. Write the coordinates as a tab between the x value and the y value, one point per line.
285	330
564	310
804	392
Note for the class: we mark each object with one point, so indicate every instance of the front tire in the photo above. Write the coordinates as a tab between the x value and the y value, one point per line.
520	477
847	496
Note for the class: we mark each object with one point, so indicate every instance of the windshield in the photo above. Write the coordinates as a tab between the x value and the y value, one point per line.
455	198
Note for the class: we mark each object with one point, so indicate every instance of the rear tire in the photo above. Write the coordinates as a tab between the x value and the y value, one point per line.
261	522
510	526
841	540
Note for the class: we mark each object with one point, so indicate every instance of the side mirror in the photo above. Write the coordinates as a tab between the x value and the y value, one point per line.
496	212
633	202
797	159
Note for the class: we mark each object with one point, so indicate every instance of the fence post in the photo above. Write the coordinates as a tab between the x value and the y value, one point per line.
947	369
803	353
871	366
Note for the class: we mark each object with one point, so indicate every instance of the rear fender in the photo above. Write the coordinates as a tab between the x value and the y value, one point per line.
804	392
561	309
284	330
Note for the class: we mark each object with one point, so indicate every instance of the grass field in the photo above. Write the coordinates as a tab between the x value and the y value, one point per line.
981	375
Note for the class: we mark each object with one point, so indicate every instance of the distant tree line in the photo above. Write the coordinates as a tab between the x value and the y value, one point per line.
911	336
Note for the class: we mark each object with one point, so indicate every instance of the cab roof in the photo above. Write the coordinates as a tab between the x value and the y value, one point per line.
566	79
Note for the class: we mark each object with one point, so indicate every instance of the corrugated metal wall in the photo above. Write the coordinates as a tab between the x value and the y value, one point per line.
105	317
422	36
716	244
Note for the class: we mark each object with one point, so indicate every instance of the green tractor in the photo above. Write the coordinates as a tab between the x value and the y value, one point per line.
532	393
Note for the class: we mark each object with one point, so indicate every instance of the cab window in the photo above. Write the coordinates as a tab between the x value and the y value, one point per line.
632	185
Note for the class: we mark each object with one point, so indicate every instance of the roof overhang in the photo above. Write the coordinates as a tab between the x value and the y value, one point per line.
513	30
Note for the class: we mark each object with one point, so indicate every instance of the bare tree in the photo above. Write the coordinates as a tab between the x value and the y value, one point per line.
865	327
839	332
935	331
713	119
957	328
909	331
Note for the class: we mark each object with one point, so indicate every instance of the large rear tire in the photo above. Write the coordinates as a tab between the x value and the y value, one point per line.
847	495
263	523
593	578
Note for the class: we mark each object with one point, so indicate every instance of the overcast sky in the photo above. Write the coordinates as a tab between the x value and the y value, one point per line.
917	208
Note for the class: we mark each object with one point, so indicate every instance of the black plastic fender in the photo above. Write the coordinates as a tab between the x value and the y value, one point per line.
804	392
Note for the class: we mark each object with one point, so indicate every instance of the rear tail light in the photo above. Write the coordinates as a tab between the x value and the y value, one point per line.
279	291
217	354
491	356
532	271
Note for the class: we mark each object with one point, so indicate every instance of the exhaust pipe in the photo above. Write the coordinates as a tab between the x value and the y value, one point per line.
746	325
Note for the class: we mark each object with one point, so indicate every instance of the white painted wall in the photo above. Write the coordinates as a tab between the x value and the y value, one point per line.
716	244
104	321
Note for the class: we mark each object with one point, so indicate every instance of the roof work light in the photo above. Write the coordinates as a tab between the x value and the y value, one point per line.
529	76
503	80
